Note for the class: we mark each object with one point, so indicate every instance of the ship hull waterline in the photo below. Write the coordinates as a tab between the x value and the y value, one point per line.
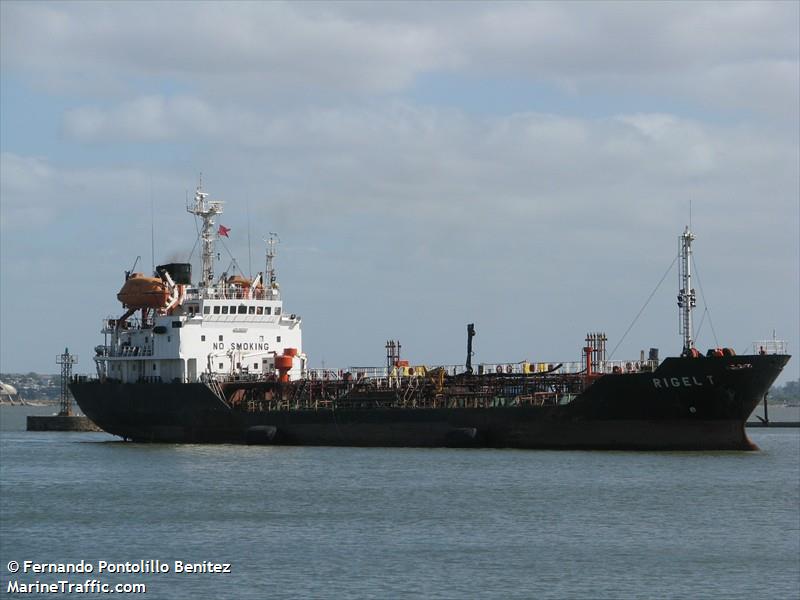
685	404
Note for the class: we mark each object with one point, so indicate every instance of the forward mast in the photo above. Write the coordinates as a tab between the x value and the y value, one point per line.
686	296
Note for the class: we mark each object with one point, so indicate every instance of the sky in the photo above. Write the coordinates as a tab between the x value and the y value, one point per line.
524	166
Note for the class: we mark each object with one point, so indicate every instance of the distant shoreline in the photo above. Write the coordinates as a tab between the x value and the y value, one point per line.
44	402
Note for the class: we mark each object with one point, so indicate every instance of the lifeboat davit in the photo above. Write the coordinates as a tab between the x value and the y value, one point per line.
143	292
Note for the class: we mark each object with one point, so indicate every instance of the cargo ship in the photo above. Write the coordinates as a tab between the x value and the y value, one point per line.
222	361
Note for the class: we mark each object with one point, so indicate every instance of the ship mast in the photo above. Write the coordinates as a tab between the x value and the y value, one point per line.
206	210
272	279
686	296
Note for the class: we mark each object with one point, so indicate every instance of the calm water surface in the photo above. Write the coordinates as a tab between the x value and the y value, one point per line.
407	523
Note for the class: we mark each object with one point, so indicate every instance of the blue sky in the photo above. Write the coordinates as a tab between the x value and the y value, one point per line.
524	166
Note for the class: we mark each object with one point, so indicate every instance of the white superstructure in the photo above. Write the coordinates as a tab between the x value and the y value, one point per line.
176	331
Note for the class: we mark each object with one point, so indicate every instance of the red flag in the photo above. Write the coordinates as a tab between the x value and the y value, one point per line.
223	230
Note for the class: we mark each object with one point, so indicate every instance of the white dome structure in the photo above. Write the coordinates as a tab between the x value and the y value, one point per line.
7	392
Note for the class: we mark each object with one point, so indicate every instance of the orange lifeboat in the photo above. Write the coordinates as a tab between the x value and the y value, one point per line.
240	286
238	280
143	292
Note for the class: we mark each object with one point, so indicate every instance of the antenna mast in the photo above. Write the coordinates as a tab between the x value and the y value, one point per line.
152	229
272	279
206	210
686	296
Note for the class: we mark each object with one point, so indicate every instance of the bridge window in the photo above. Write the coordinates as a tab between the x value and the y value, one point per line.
259	310
277	310
233	310
251	310
216	310
224	310
206	309
267	310
242	309
255	365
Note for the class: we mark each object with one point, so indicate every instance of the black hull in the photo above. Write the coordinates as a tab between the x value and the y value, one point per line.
686	404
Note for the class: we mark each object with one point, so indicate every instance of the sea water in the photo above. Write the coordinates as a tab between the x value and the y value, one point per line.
400	523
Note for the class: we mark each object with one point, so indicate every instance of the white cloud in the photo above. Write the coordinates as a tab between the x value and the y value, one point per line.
446	166
248	46
21	180
36	195
740	55
145	119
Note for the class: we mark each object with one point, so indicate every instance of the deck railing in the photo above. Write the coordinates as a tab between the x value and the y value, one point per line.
229	294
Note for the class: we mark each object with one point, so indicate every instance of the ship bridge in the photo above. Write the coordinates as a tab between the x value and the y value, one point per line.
177	331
